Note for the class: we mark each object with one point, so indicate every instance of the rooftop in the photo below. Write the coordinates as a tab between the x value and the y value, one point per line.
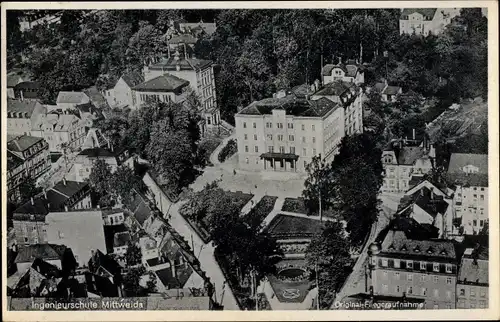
285	226
350	69
337	88
22	143
428	13
292	105
468	179
474	271
71	97
163	83
121	239
42	251
459	160
13	161
183	39
99	259
133	78
408	155
97	153
184	63
25	106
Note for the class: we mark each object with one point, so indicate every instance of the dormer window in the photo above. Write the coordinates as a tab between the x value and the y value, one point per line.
416	249
430	250
404	248
443	252
391	247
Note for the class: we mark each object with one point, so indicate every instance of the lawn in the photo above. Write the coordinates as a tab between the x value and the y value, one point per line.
228	150
210	142
284	226
262	208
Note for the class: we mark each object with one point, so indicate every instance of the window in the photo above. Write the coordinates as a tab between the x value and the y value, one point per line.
385	288
422	278
482	304
384	275
410	290
483	293
254	125
423	265
436	292
303	127
271	149
246	137
290	125
244	125
256	149
448	294
304	151
481	223
397	276
436	279
409	264
435	267
291	138
314	139
474	222
473	305
25	239
475	196
255	137
61	234
269	136
313	127
246	148
397	264
472	291
246	160
282	149
424	291
303	139
482	197
398	289
448	268
436	306
314	151
384	262
410	277
462	292
292	150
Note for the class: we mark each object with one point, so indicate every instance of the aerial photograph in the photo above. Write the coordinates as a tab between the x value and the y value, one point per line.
246	159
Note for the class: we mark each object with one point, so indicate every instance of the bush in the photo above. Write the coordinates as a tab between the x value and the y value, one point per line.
228	150
294	205
262	208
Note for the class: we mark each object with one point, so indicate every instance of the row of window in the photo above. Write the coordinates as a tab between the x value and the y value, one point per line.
410	290
281	150
482	304
155	98
280	137
472	292
279	125
423	265
474	195
423	277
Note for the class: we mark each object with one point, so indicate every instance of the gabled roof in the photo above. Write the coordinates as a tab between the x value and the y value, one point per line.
460	160
28	254
292	105
140	208
350	69
183	39
25	106
22	143
133	78
428	13
71	97
105	261
13	161
163	83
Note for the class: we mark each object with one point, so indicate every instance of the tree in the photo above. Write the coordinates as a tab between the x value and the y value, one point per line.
28	189
131	281
133	255
114	129
123	182
151	283
315	185
99	180
328	256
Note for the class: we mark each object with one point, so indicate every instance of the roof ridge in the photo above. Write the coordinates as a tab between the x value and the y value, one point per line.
59	192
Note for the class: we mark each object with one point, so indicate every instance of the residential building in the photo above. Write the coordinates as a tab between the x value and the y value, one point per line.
349	96
29	219
284	133
164	88
429	206
120	243
351	72
14	77
96	98
113	217
22	115
473	280
200	75
73	228
426	21
61	131
403	160
69	100
41	279
28	90
56	254
95	139
122	94
406	265
469	174
84	161
387	92
27	157
88	113
104	266
198	28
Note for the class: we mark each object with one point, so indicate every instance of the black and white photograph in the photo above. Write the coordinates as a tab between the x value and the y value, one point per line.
249	159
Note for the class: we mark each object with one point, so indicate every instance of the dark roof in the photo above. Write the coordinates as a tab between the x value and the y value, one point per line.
100	285
121	239
22	143
391	90
409	154
70	97
104	261
185	64
428	13
163	83
69	188
44	268
85	107
167	279
109	235
132	78
140	208
432	206
302	90
13	161
97	152
96	97
292	105
460	160
350	69
468	180
337	88
284	226
27	254
275	155
396	242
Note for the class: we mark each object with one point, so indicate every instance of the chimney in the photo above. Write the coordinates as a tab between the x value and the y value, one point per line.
32	201
340	60
422	192
66	208
178	67
45	193
64	181
413	134
22	95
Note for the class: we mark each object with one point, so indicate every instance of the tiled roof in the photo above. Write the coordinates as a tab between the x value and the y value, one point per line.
43	251
208	27
460	160
396	242
140	208
167	279
336	88
13	161
185	64
69	188
468	180
426	12
163	83
96	97
25	106
22	143
132	78
302	90
473	271
292	105
70	97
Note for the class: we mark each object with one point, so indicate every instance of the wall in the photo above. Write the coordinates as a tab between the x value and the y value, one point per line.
29	232
83	166
473	296
121	95
471	209
163	97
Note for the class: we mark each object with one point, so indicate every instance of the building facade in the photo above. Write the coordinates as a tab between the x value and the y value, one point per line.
469	174
22	115
473	280
69	100
426	21
351	72
164	88
27	157
122	95
421	269
61	131
402	162
284	133
84	162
